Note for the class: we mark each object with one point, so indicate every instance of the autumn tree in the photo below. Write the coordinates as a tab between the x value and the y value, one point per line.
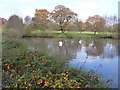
79	24
86	26
61	15
15	26
40	19
71	27
98	23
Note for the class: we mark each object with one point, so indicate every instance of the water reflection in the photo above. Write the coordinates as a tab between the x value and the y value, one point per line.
80	41
60	43
97	54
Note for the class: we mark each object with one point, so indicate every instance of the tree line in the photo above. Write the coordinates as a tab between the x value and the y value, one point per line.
62	19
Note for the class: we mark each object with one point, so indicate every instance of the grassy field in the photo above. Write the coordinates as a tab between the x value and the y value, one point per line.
31	69
67	32
72	34
58	34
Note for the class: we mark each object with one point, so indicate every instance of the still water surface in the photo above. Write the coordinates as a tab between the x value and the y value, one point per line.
101	55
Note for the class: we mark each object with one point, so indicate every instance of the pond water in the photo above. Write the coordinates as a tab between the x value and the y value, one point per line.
101	55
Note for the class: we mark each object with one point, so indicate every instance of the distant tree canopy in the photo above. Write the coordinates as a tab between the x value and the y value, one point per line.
111	23
3	21
65	19
40	19
15	26
97	22
79	24
42	13
27	20
15	22
61	15
60	18
87	26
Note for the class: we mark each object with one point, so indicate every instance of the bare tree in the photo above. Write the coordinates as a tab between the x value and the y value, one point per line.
111	23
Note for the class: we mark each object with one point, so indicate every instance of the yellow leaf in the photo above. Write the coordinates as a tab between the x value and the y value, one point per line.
45	84
16	85
8	67
18	79
39	82
7	86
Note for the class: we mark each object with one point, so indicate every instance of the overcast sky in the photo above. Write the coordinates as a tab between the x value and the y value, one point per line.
84	8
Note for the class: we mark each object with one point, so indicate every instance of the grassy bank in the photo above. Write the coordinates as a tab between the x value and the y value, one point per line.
113	35
31	69
71	34
58	34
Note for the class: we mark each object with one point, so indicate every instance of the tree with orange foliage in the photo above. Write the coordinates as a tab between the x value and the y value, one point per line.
61	15
41	18
98	23
42	14
86	26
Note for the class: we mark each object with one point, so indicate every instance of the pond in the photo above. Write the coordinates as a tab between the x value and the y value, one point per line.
101	55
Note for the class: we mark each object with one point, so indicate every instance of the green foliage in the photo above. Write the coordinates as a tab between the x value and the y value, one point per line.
12	33
28	29
13	45
109	35
30	69
66	34
40	20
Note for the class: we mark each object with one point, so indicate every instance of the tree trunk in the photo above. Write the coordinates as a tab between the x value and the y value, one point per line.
80	30
94	32
62	30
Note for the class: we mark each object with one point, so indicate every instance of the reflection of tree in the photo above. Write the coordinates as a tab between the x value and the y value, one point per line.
34	43
69	48
93	47
51	47
101	47
110	49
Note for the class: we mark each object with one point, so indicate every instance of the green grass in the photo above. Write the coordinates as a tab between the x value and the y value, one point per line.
109	34
30	69
66	34
73	34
